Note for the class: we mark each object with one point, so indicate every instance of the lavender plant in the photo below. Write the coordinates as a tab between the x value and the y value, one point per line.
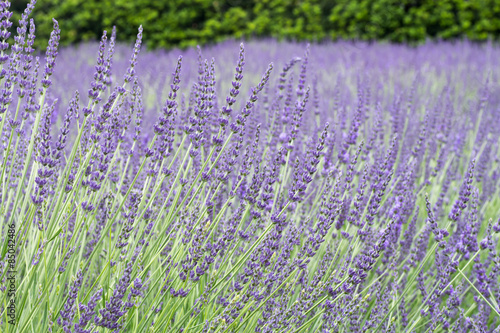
339	188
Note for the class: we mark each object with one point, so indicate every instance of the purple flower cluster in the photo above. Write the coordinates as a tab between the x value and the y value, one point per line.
356	190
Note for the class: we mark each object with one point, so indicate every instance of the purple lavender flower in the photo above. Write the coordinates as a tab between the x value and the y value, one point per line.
51	54
66	316
110	315
87	312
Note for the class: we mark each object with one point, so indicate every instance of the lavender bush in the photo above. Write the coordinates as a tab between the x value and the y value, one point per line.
341	188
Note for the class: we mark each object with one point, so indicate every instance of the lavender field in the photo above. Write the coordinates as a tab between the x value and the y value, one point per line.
264	187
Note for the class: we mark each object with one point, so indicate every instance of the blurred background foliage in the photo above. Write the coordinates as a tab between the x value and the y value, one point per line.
182	23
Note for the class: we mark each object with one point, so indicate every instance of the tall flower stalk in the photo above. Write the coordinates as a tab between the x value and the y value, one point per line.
172	193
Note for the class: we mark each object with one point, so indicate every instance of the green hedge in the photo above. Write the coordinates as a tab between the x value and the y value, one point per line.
184	23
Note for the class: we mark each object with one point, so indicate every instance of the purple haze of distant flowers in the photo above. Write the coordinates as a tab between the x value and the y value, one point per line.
353	190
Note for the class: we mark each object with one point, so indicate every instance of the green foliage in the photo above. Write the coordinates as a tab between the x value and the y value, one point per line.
293	19
183	23
415	20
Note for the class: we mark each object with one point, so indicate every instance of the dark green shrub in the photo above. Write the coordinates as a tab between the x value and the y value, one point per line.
182	23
